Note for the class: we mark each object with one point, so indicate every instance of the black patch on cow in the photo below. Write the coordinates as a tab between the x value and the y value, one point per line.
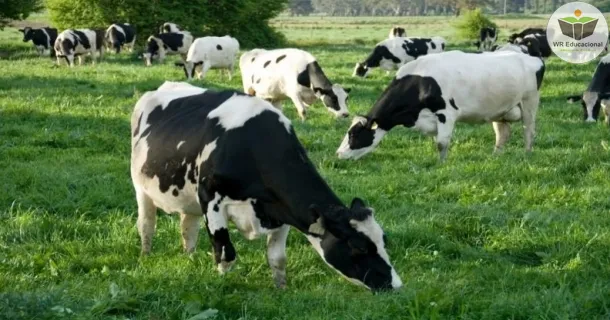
252	79
171	41
398	32
217	204
267	220
432	44
280	58
313	77
266	64
253	58
99	39
540	76
452	103
219	47
222	243
443	46
380	52
416	47
526	32
117	38
137	129
175	192
258	81
441	117
360	136
82	39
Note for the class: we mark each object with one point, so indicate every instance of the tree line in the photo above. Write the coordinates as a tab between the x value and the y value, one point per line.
427	7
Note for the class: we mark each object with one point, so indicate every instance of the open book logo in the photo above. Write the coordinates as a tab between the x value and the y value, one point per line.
578	27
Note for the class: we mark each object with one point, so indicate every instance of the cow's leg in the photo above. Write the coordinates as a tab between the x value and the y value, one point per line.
230	72
80	60
502	130
189	226
276	254
530	107
205	67
147	220
301	108
217	227
277	104
443	136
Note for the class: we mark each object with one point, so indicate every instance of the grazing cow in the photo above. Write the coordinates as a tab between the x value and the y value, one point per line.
160	45
169	27
397	32
535	31
43	39
77	42
390	54
597	95
232	157
210	53
119	35
275	75
434	92
487	39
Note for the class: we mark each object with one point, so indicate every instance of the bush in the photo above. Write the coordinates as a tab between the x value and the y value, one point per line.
470	23
246	20
17	10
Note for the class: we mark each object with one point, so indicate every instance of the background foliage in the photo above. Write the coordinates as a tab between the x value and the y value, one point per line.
17	10
469	25
246	20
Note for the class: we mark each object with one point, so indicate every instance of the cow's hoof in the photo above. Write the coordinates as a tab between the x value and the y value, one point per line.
224	266
281	284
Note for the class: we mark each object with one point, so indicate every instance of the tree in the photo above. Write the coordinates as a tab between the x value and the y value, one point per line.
300	7
17	10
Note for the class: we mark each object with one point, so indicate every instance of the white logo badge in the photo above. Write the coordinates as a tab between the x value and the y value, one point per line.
577	32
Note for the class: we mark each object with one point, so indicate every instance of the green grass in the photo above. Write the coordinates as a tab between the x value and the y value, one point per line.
479	237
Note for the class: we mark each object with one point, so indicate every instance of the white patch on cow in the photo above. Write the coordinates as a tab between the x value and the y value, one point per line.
590	98
316	228
49	44
370	228
238	109
342	98
426	122
345	152
180	144
243	215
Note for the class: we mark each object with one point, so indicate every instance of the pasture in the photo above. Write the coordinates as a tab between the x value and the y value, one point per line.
481	236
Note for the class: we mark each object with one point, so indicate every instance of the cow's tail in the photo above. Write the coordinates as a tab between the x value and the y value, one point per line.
572	99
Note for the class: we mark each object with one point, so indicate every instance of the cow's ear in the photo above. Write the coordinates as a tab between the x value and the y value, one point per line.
357	203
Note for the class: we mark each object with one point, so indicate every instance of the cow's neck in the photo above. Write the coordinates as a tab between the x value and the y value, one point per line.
317	77
374	59
394	107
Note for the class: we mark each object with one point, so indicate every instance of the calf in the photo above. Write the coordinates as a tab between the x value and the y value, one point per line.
210	53
434	92
43	39
487	39
77	42
160	45
390	54
275	75
169	27
597	95
119	35
397	32
231	157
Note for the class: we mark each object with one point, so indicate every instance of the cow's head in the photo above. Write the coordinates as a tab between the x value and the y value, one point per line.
353	243
189	68
362	137
530	45
154	48
334	99
27	34
361	70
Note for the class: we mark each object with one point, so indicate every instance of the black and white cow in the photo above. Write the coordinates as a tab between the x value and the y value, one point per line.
119	35
275	75
487	39
78	42
169	27
43	39
210	53
227	157
535	31
597	95
397	32
391	54
434	92
160	45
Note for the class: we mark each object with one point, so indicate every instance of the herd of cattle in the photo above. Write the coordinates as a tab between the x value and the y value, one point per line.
234	156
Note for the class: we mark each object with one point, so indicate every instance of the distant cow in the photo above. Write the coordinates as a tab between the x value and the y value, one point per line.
232	157
597	95
43	39
434	92
78	42
160	45
487	39
396	32
169	27
391	54
275	75
119	35
210	53
535	31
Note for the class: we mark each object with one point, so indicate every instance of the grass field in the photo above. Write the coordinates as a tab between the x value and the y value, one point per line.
478	237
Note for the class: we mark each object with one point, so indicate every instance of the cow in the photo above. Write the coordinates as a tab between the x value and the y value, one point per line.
487	39
535	31
434	92
119	35
545	48
397	32
275	75
43	39
597	95
160	45
78	42
169	27
390	54
210	53
228	156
